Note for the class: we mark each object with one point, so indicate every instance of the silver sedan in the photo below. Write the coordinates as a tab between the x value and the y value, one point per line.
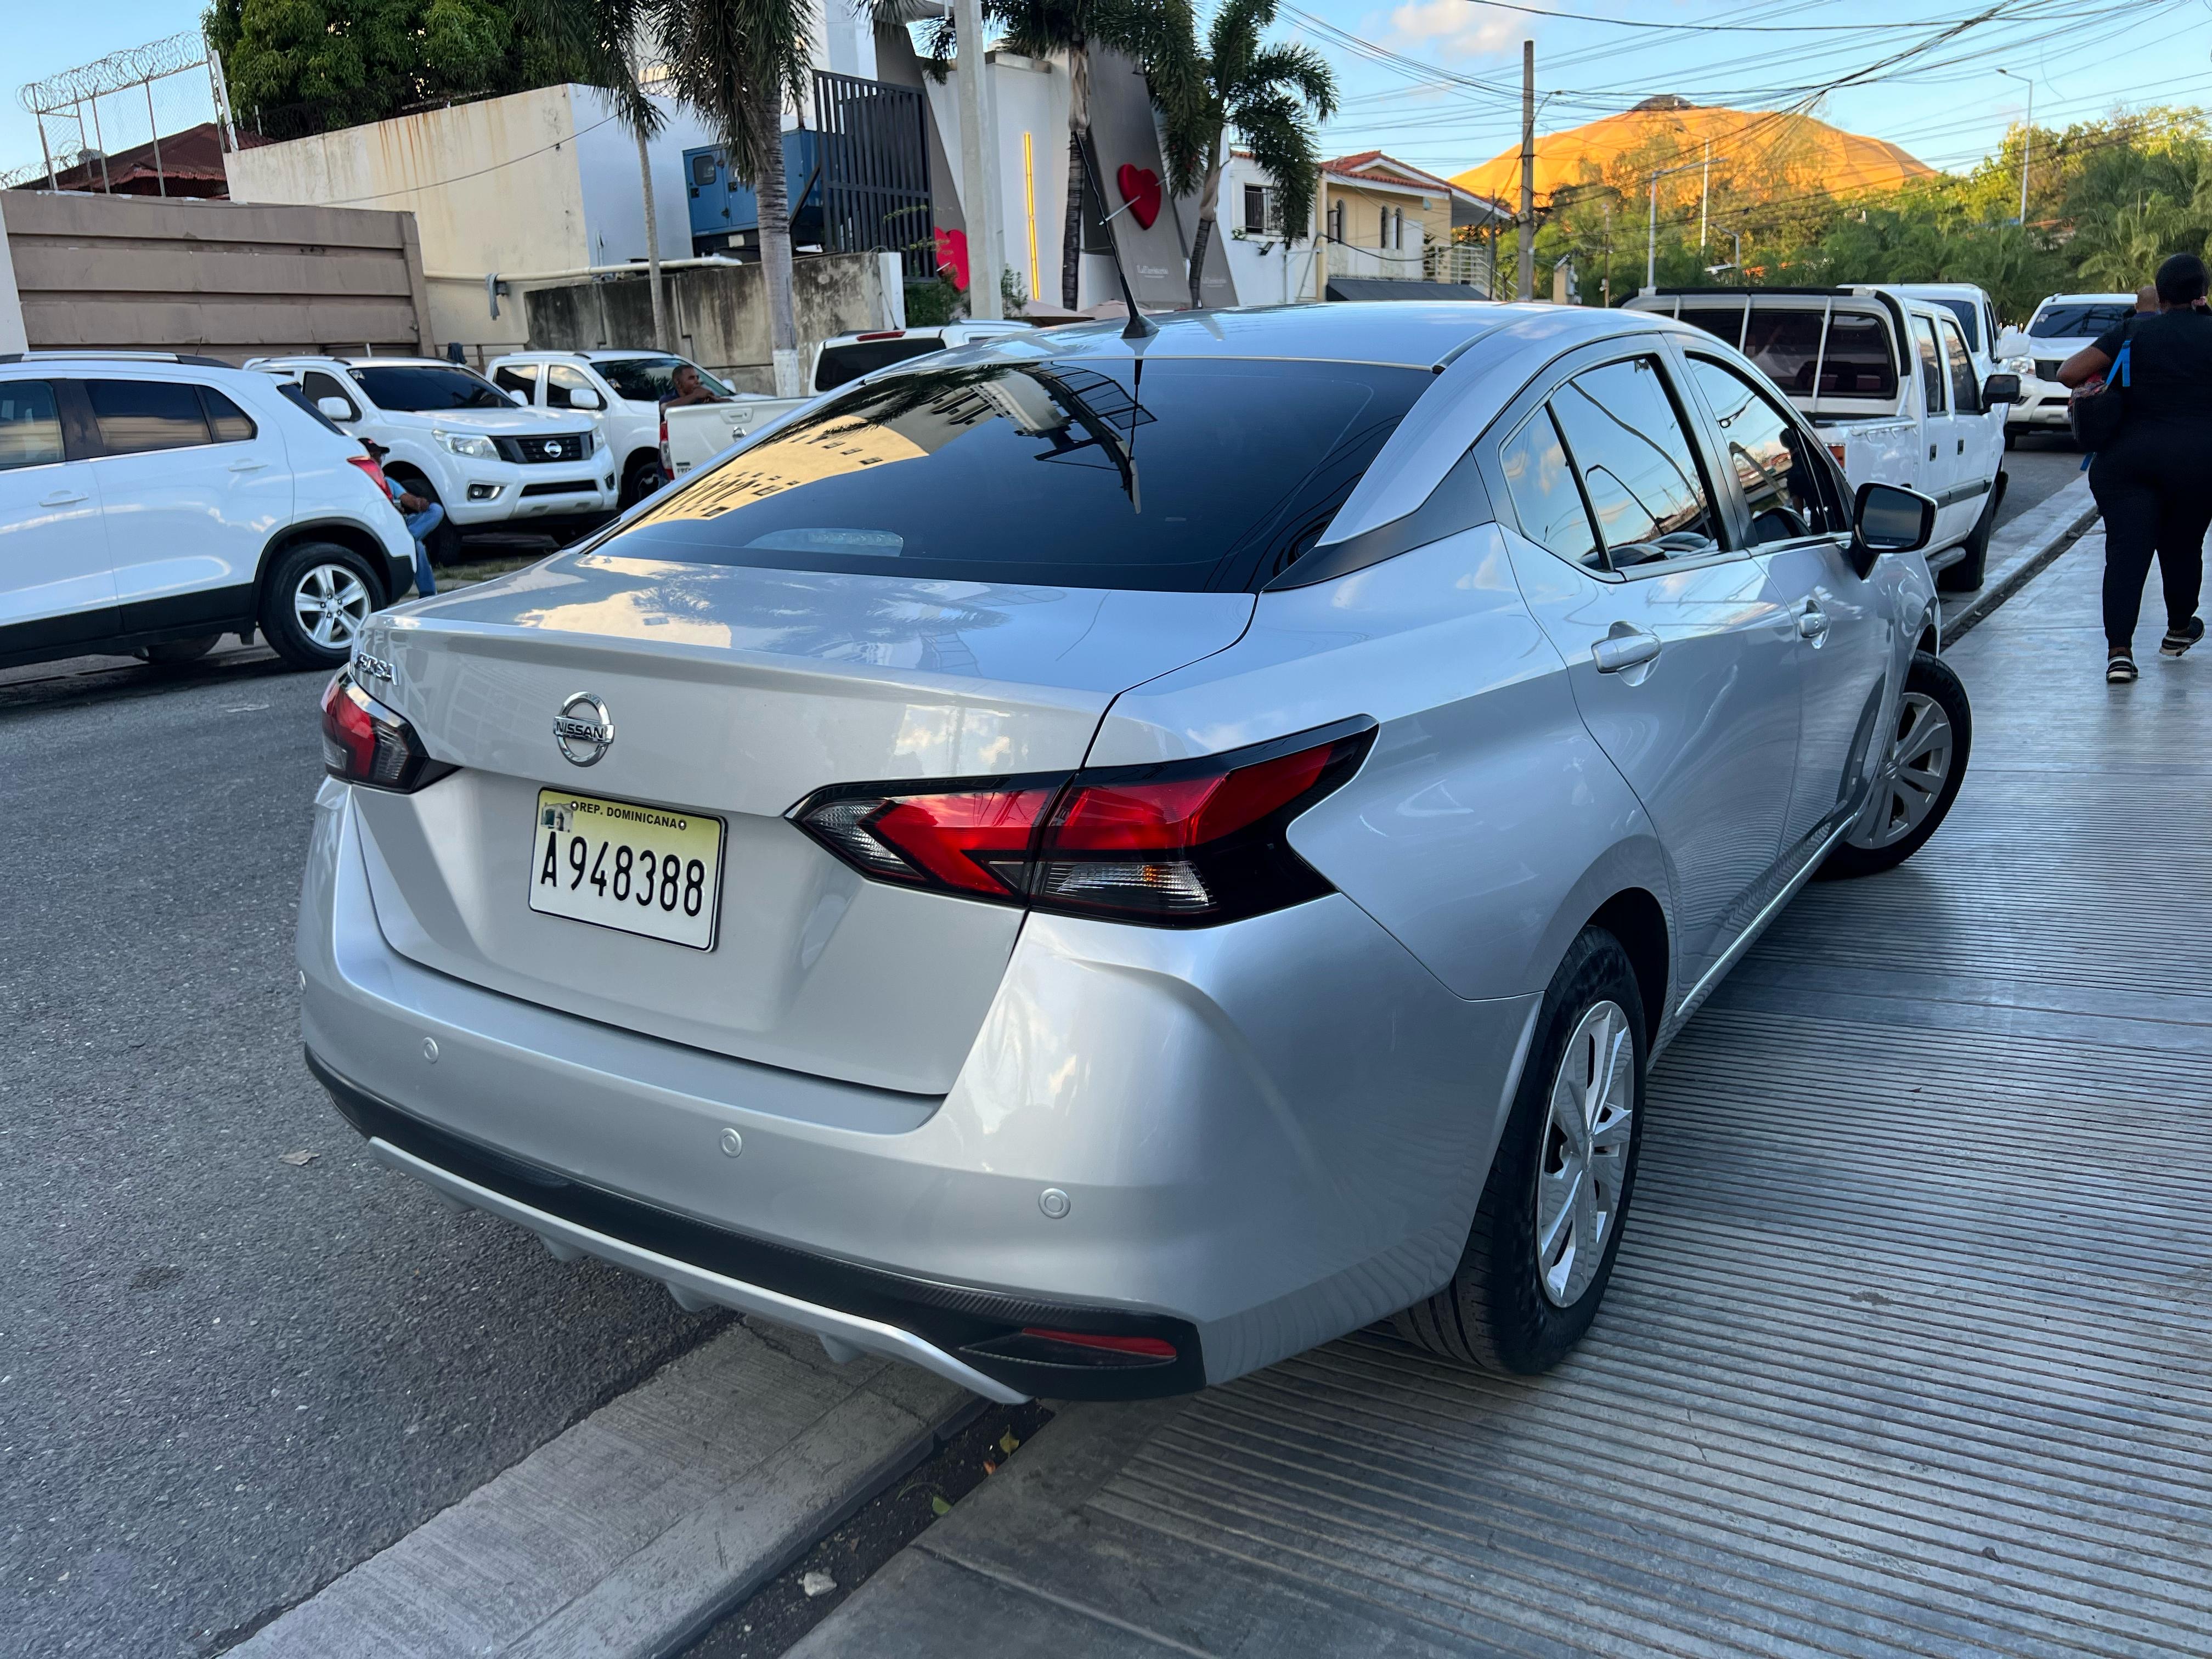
1091	864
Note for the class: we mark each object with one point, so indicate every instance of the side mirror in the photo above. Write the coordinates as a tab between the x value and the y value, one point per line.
516	394
1889	519
587	398
338	409
2000	389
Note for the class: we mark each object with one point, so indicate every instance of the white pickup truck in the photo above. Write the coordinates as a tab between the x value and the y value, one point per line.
1890	383
697	432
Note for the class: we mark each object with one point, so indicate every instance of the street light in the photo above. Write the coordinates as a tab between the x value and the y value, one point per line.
1735	264
1651	231
2026	140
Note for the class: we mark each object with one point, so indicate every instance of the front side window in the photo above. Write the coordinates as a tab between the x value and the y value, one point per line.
1931	364
562	383
1965	391
517	377
135	417
1169	475
30	425
318	386
1639	471
1786	486
1540	484
427	388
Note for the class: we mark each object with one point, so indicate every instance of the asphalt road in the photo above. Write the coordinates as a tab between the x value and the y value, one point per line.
223	1379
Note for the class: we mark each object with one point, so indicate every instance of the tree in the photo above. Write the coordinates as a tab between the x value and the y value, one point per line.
736	61
1270	96
606	40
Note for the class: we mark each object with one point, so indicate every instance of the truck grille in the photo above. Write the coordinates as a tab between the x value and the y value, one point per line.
555	446
2046	368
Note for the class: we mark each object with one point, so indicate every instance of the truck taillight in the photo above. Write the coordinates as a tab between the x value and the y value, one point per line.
667	467
366	743
1187	844
1837	450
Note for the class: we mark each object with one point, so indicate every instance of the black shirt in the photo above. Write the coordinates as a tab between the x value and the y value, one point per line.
2169	365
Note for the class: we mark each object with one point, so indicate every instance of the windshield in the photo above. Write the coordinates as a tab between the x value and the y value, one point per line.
415	388
650	379
1171	475
1970	319
2078	321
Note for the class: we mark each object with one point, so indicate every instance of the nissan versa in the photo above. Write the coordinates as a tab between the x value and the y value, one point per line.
1091	864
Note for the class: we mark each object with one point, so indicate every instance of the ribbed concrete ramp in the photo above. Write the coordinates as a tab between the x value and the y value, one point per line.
1909	1346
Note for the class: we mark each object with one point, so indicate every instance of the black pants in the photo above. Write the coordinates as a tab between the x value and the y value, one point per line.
2154	488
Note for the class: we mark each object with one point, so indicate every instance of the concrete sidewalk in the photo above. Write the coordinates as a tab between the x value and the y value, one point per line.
1906	1353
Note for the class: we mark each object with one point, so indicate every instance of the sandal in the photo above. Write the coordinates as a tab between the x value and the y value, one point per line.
2179	640
2120	668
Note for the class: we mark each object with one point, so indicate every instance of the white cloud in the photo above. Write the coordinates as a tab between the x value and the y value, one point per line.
1452	29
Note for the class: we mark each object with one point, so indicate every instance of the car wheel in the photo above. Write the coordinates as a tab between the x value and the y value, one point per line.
1919	777
174	653
1546	1232
643	477
318	598
1966	574
2012	440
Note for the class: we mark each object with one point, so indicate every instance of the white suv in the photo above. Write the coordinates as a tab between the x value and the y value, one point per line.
629	386
152	504
456	440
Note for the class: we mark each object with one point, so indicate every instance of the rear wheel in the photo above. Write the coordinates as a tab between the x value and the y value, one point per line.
1919	777
318	596
1540	1252
1965	575
639	480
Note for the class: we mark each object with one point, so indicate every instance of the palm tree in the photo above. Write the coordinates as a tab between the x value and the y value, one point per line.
736	61
1269	96
605	39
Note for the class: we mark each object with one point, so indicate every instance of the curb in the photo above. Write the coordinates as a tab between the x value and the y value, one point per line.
2020	552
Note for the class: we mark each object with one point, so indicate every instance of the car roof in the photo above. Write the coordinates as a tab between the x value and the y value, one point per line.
2085	299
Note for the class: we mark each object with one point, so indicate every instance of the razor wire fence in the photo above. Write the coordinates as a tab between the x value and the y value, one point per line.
119	105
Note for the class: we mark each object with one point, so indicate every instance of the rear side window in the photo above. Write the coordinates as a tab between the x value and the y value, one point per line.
229	423
1168	475
1638	472
138	416
1787	486
1931	364
1541	486
841	365
1785	344
30	424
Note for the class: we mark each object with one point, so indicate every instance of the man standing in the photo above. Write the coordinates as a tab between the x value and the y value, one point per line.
422	516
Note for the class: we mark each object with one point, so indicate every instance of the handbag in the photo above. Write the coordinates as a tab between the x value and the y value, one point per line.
2095	411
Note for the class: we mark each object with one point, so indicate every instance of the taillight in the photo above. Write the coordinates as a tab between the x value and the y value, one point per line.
1187	844
1837	450
364	741
368	465
667	466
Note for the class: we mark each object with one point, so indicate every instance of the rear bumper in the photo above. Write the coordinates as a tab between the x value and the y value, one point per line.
1267	1135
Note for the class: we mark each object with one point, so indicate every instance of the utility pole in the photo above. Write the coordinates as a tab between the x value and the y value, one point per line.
2026	142
978	156
1525	288
1651	233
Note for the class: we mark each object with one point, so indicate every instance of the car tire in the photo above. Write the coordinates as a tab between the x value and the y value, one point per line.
1935	728
1967	573
642	477
1512	1306
319	595
175	654
2012	439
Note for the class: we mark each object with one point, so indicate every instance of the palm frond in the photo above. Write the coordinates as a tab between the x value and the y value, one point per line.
605	38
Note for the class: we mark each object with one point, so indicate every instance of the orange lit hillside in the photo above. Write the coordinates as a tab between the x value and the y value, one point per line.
1763	153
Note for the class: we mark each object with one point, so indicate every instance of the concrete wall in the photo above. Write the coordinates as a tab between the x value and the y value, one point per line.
225	278
12	337
719	312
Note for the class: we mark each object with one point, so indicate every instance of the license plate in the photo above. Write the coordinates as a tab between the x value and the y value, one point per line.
648	870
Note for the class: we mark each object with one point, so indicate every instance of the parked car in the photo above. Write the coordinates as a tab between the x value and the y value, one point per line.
629	386
151	503
456	440
2060	327
1092	867
696	433
1893	386
1975	312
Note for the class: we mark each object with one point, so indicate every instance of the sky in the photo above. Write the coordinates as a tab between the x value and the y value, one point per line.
1435	83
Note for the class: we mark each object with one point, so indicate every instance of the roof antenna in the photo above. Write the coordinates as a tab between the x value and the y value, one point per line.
1140	326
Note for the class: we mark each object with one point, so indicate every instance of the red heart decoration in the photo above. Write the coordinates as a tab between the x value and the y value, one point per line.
952	257
1140	189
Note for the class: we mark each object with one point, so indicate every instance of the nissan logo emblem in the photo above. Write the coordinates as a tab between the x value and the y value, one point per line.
584	730
552	445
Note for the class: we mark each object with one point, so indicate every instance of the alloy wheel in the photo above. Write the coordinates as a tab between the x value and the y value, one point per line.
331	602
1584	1160
1912	775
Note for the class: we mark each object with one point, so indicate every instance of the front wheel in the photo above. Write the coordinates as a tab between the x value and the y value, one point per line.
1919	777
318	596
1540	1251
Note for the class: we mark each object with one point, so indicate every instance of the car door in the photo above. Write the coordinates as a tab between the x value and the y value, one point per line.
1683	667
1977	442
55	588
1938	460
1800	534
193	489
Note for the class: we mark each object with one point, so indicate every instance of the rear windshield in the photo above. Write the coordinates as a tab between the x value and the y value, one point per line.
1169	475
1970	319
841	365
1851	358
651	379
2072	322
420	387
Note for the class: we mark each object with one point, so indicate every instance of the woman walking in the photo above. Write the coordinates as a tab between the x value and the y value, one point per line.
2151	481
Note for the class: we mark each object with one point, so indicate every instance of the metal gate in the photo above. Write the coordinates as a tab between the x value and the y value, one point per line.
875	170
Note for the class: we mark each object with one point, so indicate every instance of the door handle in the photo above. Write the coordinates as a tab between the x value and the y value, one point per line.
1628	650
247	466
1931	452
1813	624
61	497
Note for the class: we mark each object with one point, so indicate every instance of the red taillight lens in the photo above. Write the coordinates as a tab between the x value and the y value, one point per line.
368	465
1183	845
364	741
1149	1347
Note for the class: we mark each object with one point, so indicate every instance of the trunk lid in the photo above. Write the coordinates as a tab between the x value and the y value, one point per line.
734	692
